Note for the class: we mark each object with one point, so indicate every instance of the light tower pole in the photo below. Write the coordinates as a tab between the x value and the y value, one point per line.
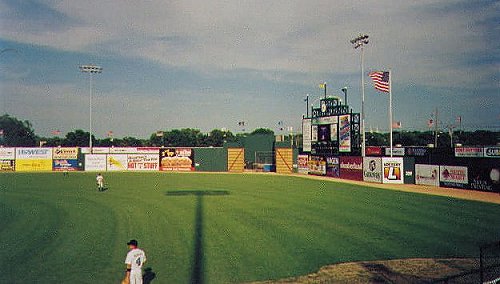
360	42
91	69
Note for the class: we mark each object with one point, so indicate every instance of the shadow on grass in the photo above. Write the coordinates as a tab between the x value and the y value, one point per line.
148	275
198	261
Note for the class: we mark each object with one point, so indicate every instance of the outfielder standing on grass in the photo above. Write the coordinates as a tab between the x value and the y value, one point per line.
100	182
135	260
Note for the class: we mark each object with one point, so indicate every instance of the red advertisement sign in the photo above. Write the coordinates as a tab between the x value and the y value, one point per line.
373	151
351	168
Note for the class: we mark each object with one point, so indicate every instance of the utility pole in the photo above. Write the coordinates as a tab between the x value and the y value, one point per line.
436	129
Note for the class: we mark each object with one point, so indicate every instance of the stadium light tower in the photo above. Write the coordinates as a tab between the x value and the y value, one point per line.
360	42
91	69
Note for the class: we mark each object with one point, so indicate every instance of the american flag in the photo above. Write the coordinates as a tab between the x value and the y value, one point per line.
396	124
56	132
430	123
381	80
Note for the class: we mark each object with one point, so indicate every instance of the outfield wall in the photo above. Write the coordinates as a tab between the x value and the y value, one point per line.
475	168
102	159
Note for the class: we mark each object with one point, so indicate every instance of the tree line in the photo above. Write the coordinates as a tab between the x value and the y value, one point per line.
17	133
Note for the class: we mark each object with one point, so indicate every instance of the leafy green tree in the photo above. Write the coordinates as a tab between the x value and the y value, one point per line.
217	137
53	141
14	132
482	137
106	142
130	142
376	139
263	131
78	138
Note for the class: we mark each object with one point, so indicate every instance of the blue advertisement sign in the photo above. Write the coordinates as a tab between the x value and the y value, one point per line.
65	165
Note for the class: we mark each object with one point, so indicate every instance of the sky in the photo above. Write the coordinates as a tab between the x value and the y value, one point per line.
212	64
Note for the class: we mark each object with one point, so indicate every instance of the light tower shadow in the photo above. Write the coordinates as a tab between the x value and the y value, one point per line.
198	259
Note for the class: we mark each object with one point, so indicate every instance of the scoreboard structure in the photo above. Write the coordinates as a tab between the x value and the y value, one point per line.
332	130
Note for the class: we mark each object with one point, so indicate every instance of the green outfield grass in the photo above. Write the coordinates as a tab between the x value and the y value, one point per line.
220	228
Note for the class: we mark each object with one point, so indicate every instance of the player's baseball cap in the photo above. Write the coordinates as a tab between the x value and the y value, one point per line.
132	242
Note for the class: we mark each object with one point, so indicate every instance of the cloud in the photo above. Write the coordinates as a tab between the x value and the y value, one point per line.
252	48
295	36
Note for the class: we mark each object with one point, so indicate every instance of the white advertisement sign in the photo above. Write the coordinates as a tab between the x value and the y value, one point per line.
468	152
7	153
143	162
34	153
306	134
427	174
372	169
148	150
393	170
95	162
395	151
314	133
122	150
326	120
117	162
452	175
492	152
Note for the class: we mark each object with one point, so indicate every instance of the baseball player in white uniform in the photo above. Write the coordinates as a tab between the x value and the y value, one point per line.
100	182
135	260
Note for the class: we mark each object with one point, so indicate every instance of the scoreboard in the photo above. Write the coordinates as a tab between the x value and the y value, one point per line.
334	130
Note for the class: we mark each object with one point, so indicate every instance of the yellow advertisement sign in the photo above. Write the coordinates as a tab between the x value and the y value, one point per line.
33	165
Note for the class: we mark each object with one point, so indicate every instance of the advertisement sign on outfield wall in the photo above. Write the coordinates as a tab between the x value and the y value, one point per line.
33	159
143	162
392	170
33	165
303	164
468	152
396	151
427	174
492	152
373	151
317	165
65	153
485	178
60	165
34	153
333	167
372	169
7	153
95	162
7	165
116	162
176	159
351	168
417	151
453	176
95	150
306	135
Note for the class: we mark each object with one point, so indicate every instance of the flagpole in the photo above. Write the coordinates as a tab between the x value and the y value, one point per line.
363	138
390	109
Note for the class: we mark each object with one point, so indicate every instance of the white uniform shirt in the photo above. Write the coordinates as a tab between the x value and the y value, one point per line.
136	258
100	179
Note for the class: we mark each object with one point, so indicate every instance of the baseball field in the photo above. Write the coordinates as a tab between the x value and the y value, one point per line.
221	228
